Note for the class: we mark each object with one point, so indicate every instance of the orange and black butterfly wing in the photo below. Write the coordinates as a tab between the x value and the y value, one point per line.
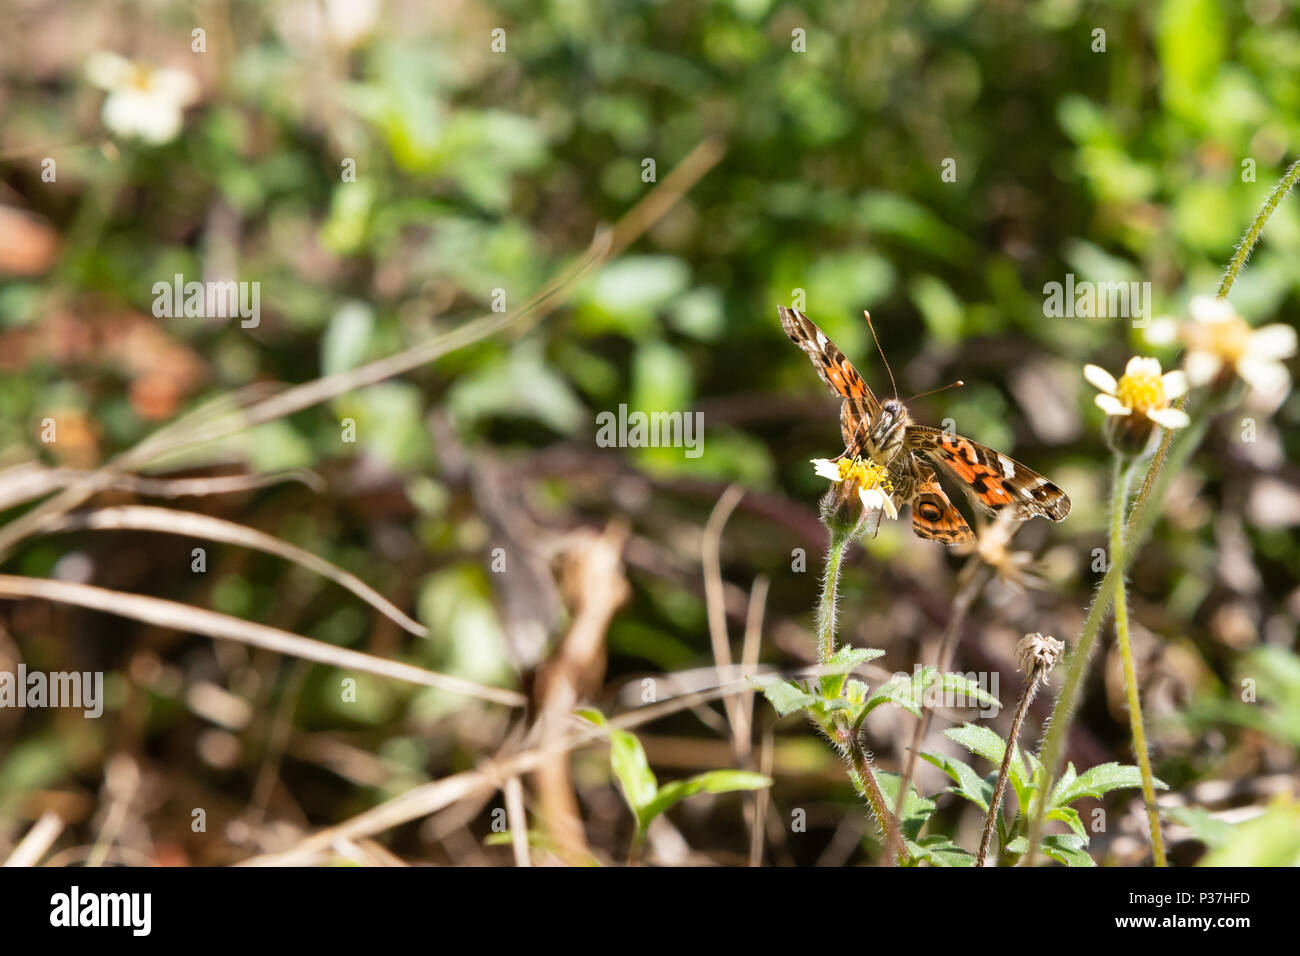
933	515
993	481
860	407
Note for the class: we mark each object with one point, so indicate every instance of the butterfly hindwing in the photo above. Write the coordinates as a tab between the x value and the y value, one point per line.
993	481
933	515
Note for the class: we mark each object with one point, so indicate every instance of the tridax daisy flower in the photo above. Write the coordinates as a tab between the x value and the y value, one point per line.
1221	345
143	102
860	493
1138	402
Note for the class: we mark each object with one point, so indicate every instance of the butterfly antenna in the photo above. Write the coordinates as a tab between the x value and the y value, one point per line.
882	352
956	384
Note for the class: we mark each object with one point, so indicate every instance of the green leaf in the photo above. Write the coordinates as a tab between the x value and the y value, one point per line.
1018	845
845	660
1269	840
967	689
900	689
1066	848
916	808
1098	781
1204	825
1070	817
715	781
987	744
939	851
628	761
787	697
978	790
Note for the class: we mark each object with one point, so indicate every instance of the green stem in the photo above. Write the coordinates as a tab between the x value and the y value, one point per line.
826	606
864	780
1119	501
1168	462
1248	241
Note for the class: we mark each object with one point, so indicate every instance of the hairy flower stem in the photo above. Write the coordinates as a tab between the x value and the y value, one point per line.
864	780
1248	241
1032	680
846	736
826	607
1119	500
1168	462
970	580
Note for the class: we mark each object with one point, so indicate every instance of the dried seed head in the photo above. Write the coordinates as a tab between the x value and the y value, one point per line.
1037	653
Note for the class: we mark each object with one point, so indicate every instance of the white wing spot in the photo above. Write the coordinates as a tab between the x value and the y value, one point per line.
1008	466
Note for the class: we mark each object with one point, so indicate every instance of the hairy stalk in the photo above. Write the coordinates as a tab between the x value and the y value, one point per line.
1248	241
845	736
1119	500
826	606
1032	680
969	581
864	780
1168	461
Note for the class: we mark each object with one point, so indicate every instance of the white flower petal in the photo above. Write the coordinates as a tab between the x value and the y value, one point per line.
873	499
1206	308
826	468
1112	405
107	70
1169	417
1099	378
136	114
1272	342
1175	384
174	86
1163	331
1202	367
1142	365
1264	376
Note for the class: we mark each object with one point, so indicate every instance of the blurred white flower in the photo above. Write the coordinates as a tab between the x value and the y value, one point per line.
1221	344
143	102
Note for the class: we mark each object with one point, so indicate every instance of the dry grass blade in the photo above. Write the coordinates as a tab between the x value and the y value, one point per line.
38	840
182	617
431	797
191	431
168	521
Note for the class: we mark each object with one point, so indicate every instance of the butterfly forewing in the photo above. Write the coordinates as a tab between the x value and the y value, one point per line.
993	481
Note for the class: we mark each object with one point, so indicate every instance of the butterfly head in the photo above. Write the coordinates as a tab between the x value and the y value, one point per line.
888	431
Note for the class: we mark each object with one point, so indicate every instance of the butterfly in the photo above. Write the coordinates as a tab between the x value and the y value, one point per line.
885	433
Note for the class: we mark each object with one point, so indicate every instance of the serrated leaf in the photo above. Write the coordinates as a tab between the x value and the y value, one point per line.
715	781
938	850
1066	848
787	697
967	689
916	808
900	690
978	790
1097	781
987	744
1070	817
844	661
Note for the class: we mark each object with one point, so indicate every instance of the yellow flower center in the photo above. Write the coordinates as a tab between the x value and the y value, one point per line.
1228	340
1141	391
865	473
141	77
